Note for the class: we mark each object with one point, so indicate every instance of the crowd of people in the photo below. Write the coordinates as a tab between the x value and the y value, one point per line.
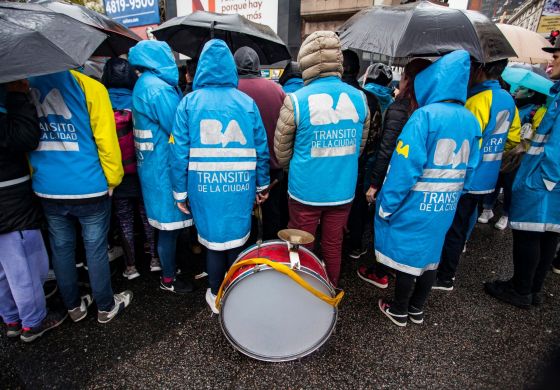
319	149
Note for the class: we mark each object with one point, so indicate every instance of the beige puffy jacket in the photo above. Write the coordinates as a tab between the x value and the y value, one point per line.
320	55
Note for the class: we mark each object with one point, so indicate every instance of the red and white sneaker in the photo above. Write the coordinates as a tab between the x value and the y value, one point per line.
368	275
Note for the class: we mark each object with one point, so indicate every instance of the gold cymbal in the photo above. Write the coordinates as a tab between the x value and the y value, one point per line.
296	237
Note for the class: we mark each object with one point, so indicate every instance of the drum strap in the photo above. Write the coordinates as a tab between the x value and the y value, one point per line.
282	268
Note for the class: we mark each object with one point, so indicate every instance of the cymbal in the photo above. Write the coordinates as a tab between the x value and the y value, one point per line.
296	237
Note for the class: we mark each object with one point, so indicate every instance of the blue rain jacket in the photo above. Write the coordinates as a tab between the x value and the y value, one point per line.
154	102
220	151
494	108
435	156
383	94
293	85
329	115
535	204
121	98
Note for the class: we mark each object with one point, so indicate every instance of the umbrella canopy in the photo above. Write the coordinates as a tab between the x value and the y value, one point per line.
527	44
424	29
37	41
120	39
519	77
188	34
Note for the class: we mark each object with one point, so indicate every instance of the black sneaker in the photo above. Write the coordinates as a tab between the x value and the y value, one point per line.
504	291
13	329
177	286
398	319
357	253
415	315
443	285
51	321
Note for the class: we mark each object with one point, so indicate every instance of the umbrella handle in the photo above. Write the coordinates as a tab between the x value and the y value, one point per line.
212	29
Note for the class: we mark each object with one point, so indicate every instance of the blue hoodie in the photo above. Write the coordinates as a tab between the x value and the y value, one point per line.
293	84
383	94
121	98
435	156
535	204
154	102
220	151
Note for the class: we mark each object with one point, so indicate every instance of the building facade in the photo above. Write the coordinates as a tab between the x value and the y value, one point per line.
528	15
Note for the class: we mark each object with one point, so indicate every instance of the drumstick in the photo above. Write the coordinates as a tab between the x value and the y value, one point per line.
270	187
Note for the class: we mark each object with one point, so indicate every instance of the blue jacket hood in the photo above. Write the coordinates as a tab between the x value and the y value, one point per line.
383	94
155	57
121	98
445	79
216	67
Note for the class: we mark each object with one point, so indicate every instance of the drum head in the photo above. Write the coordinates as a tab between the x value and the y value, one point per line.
268	316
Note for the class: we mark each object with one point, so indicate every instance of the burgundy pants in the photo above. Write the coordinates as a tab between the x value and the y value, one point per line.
333	220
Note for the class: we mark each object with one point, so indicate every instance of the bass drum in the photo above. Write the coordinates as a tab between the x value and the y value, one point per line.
268	316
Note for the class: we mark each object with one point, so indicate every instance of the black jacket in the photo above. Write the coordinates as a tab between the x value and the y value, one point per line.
395	119
19	133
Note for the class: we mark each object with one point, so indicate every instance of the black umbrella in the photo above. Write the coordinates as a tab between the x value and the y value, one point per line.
424	29
188	34
37	41
120	40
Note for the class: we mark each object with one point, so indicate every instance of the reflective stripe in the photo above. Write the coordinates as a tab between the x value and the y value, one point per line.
19	180
170	225
222	166
321	203
541	137
179	195
535	150
262	188
535	227
492	157
403	267
333	152
144	145
484	192
143	134
223	152
220	246
58	146
382	213
82	196
444	173
426	186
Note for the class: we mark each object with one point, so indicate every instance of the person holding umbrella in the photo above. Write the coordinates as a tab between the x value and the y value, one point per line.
220	161
435	156
535	205
154	102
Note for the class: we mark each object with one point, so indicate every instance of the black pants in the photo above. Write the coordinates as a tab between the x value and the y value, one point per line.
457	236
358	218
533	253
412	291
275	209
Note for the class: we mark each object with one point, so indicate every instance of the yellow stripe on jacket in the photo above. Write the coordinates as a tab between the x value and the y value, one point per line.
538	117
102	121
480	105
514	133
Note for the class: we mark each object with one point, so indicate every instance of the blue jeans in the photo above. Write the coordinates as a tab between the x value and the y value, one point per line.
24	265
217	264
94	219
167	250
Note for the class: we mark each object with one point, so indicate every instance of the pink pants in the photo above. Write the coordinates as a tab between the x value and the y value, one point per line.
333	220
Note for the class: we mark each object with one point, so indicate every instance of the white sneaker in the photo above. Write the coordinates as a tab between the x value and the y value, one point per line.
122	300
502	223
211	301
486	216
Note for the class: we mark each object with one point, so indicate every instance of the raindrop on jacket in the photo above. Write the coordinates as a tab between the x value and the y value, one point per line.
435	156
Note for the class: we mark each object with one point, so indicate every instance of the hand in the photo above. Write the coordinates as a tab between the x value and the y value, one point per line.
183	207
21	86
370	194
260	198
110	191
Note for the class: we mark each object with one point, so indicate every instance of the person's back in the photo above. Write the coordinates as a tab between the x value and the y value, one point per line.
266	93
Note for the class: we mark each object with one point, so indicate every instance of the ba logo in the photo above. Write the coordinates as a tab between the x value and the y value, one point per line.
53	104
322	112
211	133
445	153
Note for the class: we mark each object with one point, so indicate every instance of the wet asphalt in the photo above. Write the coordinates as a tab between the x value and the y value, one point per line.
468	340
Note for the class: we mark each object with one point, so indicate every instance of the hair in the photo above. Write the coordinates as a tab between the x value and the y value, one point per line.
350	63
411	70
117	73
493	70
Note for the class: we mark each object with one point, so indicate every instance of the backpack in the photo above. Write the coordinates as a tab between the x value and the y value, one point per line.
123	120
